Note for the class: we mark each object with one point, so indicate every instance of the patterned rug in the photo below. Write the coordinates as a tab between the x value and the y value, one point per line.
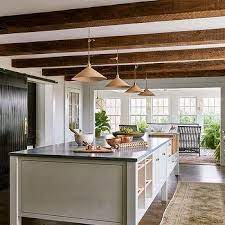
196	204
206	157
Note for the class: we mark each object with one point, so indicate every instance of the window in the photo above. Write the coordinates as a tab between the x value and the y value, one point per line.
188	110
74	110
211	110
160	110
138	110
113	111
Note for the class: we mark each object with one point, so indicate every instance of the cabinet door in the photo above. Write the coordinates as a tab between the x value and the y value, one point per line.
156	167
163	163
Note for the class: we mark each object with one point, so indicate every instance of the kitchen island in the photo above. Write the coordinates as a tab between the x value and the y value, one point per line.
56	183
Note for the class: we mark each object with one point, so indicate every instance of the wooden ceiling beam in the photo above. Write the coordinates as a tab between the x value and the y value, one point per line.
141	12
214	36
125	58
149	68
192	74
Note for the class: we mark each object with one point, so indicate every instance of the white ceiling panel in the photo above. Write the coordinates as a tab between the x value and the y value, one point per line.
122	51
17	7
117	30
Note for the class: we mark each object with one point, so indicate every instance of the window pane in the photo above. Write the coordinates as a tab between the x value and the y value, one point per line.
211	110
74	110
113	111
187	106
160	110
138	110
217	102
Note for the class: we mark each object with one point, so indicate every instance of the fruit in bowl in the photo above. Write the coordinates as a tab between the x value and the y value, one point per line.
114	142
125	138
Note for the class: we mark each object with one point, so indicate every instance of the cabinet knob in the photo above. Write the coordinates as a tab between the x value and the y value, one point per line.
164	154
157	159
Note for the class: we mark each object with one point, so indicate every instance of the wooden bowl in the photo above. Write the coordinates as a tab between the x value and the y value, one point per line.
125	138
114	142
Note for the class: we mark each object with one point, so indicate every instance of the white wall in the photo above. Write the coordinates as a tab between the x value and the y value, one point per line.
171	83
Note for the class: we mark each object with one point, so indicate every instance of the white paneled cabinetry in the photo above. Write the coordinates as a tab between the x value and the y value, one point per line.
89	190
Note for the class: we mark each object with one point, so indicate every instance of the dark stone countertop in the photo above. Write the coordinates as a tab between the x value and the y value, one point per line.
65	150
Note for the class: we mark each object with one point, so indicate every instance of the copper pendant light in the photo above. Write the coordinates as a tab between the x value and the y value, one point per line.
134	88
146	92
89	74
117	82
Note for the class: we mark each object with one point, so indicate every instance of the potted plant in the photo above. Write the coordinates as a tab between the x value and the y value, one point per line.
211	138
142	125
101	123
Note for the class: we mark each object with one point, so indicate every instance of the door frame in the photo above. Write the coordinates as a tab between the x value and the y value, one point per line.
67	135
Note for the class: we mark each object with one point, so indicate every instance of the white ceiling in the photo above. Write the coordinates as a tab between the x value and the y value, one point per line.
17	7
170	48
117	30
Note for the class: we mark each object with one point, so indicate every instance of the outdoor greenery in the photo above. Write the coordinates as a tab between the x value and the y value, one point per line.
101	123
217	153
186	119
142	125
211	137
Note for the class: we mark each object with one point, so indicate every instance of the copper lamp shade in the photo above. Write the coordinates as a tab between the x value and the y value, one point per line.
146	92
89	75
117	83
134	89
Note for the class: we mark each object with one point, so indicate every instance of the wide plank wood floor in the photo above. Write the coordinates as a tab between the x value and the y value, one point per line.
192	173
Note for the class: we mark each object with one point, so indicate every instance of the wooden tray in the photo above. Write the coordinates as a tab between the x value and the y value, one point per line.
102	150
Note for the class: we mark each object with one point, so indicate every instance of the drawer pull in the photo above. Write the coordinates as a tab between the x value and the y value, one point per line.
157	159
164	154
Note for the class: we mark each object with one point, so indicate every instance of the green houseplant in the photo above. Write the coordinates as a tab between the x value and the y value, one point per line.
142	125
211	138
101	123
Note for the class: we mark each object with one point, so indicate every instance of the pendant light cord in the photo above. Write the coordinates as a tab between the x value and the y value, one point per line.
135	73
89	45
146	80
117	60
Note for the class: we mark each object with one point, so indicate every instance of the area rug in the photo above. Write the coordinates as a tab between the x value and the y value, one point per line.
206	157
196	204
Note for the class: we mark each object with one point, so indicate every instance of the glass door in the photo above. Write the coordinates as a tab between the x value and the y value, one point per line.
72	113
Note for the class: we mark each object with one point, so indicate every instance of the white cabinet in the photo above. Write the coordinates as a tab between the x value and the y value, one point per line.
78	190
156	169
153	172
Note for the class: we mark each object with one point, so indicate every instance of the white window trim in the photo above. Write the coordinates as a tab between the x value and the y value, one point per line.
169	108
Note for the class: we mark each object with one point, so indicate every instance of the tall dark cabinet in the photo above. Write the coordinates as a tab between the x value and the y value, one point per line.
13	119
31	104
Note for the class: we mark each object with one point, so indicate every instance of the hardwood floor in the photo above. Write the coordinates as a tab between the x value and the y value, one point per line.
189	173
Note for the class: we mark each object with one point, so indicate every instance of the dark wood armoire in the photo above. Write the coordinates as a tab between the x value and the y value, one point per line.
13	119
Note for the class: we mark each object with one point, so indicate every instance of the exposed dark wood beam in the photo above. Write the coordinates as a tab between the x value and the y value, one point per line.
125	58
161	10
150	68
215	36
142	75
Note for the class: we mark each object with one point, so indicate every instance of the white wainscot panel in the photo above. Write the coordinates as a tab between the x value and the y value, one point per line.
73	190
